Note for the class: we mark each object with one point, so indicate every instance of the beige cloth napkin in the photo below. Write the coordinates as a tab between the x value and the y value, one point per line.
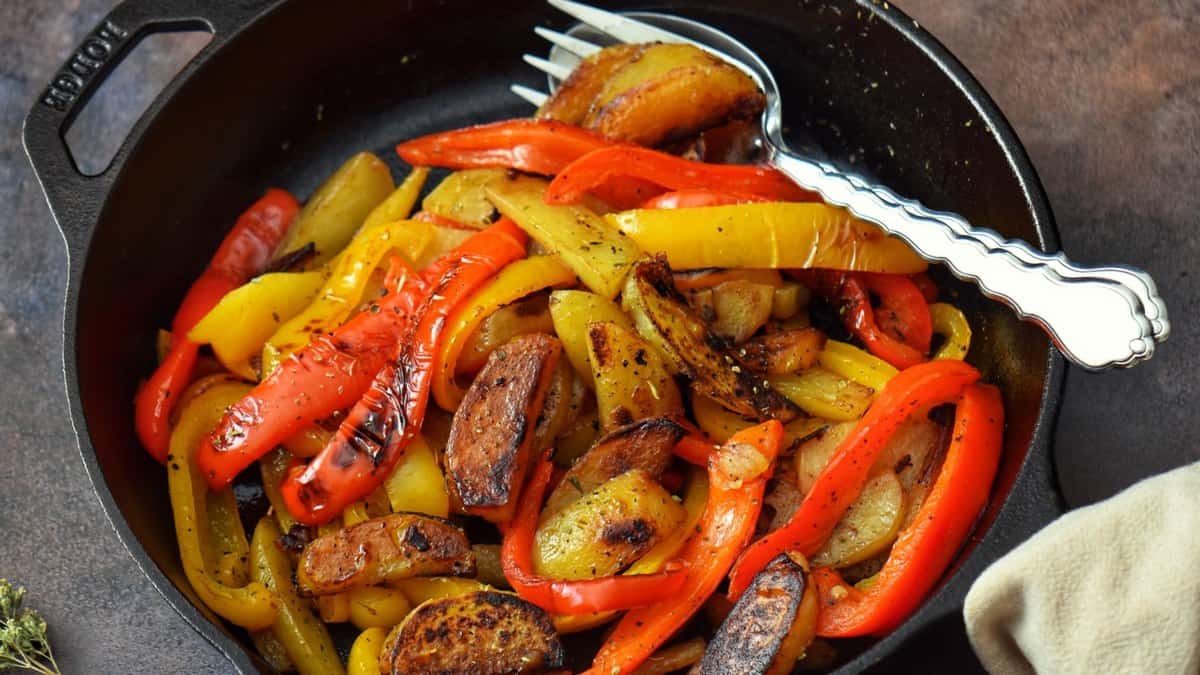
1110	588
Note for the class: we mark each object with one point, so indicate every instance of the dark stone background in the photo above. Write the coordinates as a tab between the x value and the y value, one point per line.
1106	97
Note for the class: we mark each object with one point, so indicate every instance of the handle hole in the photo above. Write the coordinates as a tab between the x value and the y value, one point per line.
106	120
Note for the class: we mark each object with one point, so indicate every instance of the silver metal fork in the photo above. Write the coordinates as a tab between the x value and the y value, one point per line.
1099	317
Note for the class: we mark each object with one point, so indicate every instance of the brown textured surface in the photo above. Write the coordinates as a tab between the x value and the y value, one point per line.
1106	97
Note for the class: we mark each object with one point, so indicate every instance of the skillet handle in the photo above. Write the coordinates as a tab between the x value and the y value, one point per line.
75	198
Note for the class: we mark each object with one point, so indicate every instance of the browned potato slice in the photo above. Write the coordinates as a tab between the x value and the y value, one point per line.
644	445
869	525
742	307
672	91
663	317
690	280
530	315
787	351
607	529
491	438
814	454
384	549
769	627
632	382
574	98
480	633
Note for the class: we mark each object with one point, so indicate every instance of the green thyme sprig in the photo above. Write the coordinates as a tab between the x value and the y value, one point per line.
23	641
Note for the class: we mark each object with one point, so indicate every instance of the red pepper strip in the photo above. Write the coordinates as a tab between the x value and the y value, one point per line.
909	328
579	596
913	391
924	550
695	448
374	435
244	252
730	515
685	199
536	146
597	167
332	372
929	290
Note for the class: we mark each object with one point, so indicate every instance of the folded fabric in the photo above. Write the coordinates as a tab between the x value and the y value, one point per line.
1110	588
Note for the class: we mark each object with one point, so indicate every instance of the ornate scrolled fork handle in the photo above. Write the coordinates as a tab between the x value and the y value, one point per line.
1099	317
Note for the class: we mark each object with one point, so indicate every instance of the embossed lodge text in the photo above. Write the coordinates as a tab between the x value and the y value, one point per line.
89	58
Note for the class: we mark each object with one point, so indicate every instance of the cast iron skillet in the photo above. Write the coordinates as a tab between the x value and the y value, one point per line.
286	90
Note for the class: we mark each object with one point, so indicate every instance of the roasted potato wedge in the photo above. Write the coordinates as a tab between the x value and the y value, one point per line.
492	436
692	280
663	317
530	315
607	529
672	91
574	98
741	308
560	406
783	352
782	499
789	299
769	627
592	248
481	633
644	445
812	455
383	549
460	197
869	525
632	382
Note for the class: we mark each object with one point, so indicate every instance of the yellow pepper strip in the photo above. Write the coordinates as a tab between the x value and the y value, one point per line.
303	636
572	311
856	364
460	197
338	207
417	484
348	278
517	280
364	653
399	204
950	323
270	649
672	659
377	607
229	546
252	606
274	467
422	589
247	316
774	235
822	393
585	242
695	497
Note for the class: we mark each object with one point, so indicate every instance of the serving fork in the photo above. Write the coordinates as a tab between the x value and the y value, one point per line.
1099	317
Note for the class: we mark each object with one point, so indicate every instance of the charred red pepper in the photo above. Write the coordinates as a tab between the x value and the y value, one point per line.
536	146
899	331
598	167
737	474
924	550
913	391
686	199
581	596
928	288
245	252
332	372
377	430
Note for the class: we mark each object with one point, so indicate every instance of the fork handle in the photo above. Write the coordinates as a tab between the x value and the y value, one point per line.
1091	316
